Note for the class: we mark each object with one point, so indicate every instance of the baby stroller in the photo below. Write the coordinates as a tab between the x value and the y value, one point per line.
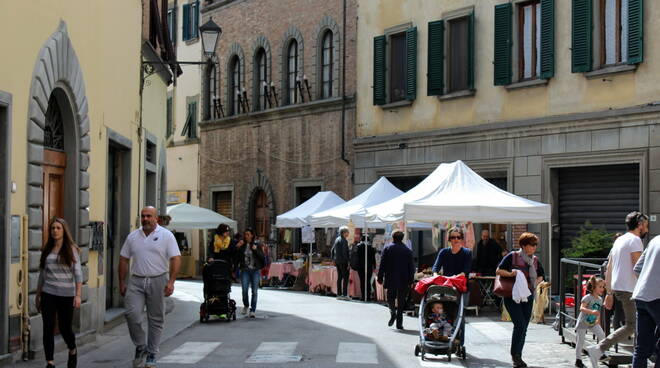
453	303
217	286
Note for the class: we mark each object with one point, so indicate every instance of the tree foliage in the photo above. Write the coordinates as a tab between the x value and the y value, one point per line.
590	242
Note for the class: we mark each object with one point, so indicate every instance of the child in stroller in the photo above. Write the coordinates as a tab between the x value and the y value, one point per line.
217	286
441	323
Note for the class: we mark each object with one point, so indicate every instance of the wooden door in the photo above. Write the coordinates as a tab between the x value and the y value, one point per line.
261	214
53	167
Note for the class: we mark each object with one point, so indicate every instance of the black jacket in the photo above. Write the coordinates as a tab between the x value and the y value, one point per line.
489	255
228	254
339	252
396	266
371	257
257	253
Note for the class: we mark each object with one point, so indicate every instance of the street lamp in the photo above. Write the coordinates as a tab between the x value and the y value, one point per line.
210	35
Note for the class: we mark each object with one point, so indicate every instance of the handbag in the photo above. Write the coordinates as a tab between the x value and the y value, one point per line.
503	286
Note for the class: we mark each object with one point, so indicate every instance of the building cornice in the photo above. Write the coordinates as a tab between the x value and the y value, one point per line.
278	113
567	123
218	4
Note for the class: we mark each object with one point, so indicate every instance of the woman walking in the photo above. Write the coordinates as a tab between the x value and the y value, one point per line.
250	261
525	262
59	289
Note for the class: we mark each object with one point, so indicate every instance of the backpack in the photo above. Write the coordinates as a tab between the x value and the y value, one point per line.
354	255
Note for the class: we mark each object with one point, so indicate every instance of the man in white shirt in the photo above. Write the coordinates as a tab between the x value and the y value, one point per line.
621	280
156	259
647	299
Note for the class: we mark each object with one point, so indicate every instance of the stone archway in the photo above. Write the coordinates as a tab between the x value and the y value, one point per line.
57	74
261	187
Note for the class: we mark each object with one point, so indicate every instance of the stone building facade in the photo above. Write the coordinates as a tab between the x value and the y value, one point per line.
579	131
268	151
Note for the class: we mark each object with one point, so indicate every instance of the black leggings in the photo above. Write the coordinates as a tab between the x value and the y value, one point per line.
63	307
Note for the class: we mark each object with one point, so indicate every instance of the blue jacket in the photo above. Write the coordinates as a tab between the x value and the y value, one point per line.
396	266
453	264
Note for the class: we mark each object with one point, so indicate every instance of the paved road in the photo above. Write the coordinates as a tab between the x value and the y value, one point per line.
296	329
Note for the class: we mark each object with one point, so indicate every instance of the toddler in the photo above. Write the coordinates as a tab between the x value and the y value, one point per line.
439	328
589	317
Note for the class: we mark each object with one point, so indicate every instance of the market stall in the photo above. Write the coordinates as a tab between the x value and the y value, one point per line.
185	218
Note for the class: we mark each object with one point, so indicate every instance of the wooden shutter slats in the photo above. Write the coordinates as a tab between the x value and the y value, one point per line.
379	70
547	39
502	45
635	31
436	47
411	64
581	45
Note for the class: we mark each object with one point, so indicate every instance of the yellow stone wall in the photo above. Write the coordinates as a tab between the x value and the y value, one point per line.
565	93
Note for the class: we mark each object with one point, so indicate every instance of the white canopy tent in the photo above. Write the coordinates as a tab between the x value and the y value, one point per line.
299	216
381	191
188	217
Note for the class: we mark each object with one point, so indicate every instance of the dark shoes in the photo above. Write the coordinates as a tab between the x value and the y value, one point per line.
48	365
392	319
72	362
518	362
578	364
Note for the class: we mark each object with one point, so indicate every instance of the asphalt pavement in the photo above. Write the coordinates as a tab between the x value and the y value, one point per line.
298	329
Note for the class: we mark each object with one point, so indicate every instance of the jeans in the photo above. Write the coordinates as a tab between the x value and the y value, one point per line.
648	320
520	315
628	328
396	299
149	291
63	307
250	279
343	273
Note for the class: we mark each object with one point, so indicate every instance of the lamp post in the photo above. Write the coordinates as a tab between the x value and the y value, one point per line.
210	34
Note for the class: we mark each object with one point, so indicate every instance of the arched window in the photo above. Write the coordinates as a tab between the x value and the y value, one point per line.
235	85
326	65
260	80
292	72
212	93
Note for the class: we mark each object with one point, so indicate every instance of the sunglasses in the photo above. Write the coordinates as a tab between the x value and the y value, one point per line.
455	237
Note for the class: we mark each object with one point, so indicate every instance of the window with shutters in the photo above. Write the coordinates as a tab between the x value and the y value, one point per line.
326	64
222	203
524	43
168	117
190	26
395	66
606	35
171	24
529	40
190	127
211	111
457	55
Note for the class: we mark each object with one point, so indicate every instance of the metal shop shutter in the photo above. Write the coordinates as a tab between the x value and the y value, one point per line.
602	195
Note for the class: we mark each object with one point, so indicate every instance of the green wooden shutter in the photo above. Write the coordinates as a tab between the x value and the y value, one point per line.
379	70
186	20
581	55
195	30
502	45
471	51
436	49
547	38
411	64
635	31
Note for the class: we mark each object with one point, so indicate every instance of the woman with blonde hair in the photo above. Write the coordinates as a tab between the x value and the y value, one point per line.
59	289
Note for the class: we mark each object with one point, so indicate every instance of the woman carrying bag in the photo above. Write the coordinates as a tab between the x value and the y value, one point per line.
250	260
59	289
525	263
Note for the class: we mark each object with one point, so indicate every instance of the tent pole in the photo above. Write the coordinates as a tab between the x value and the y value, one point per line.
366	261
550	248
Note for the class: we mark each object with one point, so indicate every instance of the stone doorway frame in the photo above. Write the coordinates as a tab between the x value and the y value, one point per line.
58	70
5	214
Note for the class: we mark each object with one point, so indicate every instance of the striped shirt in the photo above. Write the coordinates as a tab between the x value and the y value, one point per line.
59	279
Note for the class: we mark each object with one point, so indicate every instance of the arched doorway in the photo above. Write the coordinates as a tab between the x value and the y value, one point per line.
261	212
54	164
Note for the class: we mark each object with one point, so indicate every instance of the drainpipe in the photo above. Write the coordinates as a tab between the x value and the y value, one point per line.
139	136
343	88
23	277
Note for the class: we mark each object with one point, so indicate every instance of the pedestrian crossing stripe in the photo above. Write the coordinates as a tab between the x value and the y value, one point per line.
275	352
357	353
190	352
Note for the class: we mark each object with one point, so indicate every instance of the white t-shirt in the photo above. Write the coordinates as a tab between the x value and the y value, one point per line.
150	255
623	277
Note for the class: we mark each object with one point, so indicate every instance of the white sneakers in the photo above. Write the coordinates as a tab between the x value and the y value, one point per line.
252	315
594	353
244	311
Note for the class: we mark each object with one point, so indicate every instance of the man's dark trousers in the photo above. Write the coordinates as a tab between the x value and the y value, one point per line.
368	292
399	296
343	274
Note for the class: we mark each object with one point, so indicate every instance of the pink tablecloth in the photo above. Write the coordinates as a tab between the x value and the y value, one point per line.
327	276
279	269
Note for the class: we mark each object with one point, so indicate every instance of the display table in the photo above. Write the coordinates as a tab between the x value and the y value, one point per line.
279	269
187	269
327	276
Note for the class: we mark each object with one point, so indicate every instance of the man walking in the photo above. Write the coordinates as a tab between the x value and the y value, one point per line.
489	254
397	271
341	257
370	259
621	280
151	249
647	299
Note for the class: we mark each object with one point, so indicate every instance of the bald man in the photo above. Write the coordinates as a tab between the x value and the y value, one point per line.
155	263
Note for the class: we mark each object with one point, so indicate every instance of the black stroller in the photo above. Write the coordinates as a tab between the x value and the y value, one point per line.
453	303
217	286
